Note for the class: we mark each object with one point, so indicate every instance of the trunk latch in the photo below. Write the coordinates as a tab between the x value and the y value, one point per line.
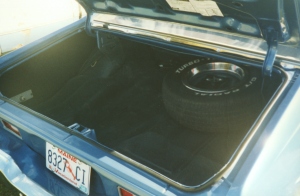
272	41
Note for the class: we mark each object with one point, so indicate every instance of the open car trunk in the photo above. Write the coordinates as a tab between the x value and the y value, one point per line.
123	92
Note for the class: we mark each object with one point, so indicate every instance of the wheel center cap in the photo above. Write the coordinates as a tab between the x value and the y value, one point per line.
213	79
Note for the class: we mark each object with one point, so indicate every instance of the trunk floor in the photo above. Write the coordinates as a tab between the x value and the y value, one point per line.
128	115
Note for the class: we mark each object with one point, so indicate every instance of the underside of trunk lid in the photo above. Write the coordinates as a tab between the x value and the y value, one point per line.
247	17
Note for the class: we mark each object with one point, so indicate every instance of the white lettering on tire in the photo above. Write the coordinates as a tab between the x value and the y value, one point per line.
180	69
218	94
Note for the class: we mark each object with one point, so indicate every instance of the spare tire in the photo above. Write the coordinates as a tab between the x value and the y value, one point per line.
213	96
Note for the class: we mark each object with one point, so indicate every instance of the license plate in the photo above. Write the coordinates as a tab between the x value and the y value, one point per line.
68	168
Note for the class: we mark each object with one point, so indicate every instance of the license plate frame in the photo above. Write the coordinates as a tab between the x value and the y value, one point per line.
68	167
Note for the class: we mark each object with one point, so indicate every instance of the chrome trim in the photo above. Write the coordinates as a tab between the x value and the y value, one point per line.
224	172
7	162
233	70
15	176
219	41
264	114
249	47
216	179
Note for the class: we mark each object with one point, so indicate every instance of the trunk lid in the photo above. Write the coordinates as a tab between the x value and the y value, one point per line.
246	17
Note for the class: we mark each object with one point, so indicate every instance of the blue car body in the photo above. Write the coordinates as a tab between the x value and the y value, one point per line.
266	161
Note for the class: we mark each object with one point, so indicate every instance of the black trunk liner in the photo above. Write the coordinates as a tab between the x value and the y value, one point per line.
126	110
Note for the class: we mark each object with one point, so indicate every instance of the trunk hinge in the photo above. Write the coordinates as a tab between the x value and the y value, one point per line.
272	41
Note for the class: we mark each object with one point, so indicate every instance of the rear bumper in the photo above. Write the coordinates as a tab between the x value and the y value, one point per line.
15	176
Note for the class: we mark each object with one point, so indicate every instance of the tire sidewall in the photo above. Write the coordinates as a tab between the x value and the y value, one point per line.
229	111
